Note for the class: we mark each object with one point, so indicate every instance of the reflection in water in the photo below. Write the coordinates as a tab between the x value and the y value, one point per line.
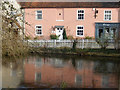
12	74
52	72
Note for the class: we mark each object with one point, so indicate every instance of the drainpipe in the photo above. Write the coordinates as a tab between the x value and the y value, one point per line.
118	44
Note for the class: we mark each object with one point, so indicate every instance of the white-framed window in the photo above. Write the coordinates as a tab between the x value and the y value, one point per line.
39	14
107	15
38	29
80	14
80	30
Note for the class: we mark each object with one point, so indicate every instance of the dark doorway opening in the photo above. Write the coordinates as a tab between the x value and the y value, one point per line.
100	33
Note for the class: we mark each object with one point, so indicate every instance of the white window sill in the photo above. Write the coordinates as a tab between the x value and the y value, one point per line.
39	34
59	20
79	36
107	20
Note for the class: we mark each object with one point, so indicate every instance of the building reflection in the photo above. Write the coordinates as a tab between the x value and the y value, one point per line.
75	73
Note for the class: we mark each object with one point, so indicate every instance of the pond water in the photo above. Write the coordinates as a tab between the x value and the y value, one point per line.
61	71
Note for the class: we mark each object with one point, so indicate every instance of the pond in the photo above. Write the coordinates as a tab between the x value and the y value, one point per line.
61	71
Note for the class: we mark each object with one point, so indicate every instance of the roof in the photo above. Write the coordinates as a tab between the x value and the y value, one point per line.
69	4
67	0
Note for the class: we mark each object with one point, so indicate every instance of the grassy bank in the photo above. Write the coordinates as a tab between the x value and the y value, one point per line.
79	52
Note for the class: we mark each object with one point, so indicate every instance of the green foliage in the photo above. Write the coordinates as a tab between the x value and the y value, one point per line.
63	85
87	37
53	37
64	34
64	49
27	37
36	38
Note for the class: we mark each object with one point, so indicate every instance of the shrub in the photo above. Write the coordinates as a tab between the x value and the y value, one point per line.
36	38
27	37
63	85
103	42
53	37
64	34
87	37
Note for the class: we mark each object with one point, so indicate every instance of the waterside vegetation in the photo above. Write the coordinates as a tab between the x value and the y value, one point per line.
12	40
78	52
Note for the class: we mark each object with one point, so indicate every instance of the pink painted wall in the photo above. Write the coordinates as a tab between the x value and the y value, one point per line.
69	15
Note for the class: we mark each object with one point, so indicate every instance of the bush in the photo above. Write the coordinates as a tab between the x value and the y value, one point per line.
103	42
87	37
64	34
53	37
12	42
63	85
36	38
27	37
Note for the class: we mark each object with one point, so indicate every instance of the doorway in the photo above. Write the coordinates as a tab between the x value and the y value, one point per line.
100	33
59	32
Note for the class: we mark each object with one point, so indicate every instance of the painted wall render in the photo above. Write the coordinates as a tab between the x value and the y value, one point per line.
68	19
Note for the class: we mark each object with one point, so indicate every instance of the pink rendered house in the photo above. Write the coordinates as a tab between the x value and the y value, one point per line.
79	19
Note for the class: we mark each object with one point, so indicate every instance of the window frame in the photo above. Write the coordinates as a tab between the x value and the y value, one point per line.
79	29
39	13
36	29
105	14
80	13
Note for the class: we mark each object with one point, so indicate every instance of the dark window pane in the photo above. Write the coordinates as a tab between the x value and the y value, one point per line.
60	28
78	27
39	16
38	26
39	11
82	11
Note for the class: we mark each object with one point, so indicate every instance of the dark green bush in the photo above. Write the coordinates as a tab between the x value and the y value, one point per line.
87	37
53	37
64	34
